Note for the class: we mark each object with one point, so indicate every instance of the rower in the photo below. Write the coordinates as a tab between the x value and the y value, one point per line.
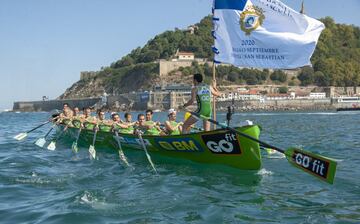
76	112
172	127
124	127
102	122
153	127
140	125
65	107
66	117
86	116
86	119
202	93
76	119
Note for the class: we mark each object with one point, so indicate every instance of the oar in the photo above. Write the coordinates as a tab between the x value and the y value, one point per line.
268	150
52	145
23	135
92	150
74	146
146	152
322	167
121	153
41	141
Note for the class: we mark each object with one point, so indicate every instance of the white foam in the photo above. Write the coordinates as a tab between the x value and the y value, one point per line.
264	172
276	155
89	199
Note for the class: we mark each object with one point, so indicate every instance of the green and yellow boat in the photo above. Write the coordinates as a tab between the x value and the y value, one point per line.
220	146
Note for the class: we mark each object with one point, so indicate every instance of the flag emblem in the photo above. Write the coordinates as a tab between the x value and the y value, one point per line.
251	19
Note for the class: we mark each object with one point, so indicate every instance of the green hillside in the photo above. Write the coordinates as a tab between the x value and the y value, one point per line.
336	61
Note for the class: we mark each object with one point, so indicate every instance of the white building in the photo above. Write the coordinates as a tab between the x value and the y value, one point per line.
238	96
317	95
185	56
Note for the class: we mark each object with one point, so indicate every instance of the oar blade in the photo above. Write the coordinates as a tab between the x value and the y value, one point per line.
92	152
74	147
319	166
52	146
20	136
40	142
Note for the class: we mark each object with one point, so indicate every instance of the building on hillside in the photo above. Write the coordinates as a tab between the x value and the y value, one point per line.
87	75
301	95
191	29
278	96
165	97
185	56
333	91
241	95
173	88
317	95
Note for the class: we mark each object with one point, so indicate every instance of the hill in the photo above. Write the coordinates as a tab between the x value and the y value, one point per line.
336	62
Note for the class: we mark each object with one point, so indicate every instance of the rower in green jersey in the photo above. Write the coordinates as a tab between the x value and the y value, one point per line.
140	125
153	127
87	121
172	127
76	117
124	127
202	93
102	123
76	112
66	117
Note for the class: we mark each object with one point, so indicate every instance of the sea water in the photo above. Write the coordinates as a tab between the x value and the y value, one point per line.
42	186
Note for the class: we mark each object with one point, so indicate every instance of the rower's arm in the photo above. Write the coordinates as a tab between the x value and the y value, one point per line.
169	127
121	125
192	99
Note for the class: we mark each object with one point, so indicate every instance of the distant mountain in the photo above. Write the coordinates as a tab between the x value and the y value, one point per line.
336	62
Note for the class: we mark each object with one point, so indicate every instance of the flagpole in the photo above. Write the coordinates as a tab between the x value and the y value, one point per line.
214	97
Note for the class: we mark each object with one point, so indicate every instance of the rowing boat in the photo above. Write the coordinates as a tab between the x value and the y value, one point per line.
220	146
235	147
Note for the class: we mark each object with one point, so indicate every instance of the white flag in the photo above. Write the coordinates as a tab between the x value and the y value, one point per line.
263	34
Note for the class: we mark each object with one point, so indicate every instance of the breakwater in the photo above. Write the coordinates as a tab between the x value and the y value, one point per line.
49	105
133	102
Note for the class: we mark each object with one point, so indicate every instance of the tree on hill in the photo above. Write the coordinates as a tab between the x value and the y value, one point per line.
279	76
336	56
336	60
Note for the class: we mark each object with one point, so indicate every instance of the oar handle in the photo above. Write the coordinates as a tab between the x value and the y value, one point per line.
239	132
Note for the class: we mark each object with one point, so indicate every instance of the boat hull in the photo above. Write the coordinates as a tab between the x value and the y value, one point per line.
213	147
348	109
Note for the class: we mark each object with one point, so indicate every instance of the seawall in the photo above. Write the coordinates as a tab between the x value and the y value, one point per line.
29	106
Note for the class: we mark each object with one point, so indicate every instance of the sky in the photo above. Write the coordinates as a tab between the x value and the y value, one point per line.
45	44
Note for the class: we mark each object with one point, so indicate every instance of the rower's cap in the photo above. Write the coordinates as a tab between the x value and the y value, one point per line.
171	111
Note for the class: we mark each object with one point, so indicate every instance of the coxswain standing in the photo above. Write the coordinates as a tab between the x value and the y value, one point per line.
202	93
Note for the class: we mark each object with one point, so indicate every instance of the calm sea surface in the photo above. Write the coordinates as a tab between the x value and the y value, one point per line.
42	186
